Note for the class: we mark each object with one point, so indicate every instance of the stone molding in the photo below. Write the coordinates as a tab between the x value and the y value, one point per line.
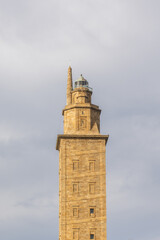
72	136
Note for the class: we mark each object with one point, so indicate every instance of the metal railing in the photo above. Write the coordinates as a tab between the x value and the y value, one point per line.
84	86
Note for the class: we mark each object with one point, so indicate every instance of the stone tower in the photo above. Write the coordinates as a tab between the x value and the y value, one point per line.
82	167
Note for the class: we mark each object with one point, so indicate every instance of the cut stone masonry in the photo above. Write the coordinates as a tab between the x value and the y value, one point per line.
82	167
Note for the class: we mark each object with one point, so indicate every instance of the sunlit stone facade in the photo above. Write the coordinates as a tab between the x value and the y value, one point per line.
82	167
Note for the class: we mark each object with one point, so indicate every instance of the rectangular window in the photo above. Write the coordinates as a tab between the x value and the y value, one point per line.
75	165
82	123
91	166
91	188
75	211
92	236
75	187
75	234
92	211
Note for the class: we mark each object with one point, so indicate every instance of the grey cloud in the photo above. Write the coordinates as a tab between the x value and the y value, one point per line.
115	45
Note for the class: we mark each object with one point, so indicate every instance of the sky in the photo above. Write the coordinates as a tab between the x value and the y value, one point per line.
115	44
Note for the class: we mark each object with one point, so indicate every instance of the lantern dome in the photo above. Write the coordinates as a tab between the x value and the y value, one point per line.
81	82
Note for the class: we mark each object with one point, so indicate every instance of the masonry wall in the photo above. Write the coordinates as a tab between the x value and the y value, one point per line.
82	119
82	189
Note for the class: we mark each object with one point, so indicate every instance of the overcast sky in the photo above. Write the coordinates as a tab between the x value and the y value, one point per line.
115	44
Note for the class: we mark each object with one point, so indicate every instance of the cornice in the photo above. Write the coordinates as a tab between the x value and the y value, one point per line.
85	105
76	136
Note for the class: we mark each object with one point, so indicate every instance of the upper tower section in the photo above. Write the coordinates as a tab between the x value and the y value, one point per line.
80	115
81	93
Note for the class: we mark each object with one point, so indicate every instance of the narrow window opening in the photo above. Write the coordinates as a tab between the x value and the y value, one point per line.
91	210
75	187
75	235
91	236
91	166
75	165
75	212
82	123
92	188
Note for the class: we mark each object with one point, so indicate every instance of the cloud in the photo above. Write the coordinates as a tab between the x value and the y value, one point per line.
115	44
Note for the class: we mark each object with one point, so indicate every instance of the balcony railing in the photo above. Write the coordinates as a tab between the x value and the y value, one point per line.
83	85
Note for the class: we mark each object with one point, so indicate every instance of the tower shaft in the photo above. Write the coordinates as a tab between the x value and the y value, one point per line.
82	170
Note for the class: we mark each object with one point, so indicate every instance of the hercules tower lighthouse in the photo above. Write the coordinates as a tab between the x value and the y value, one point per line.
82	167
